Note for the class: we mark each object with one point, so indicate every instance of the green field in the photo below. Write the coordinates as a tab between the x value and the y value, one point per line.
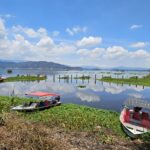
24	78
144	81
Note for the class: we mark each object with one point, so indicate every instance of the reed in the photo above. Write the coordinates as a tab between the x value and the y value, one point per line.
144	81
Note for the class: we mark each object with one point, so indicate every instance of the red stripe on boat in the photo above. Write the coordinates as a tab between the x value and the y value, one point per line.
42	94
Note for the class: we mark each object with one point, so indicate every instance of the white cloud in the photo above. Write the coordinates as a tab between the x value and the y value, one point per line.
94	53
25	43
135	26
30	32
42	31
3	31
139	44
140	54
89	41
55	33
114	56
116	52
75	30
6	16
45	42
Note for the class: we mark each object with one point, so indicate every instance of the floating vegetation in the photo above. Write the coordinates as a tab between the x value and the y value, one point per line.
64	77
135	80
24	78
9	71
83	77
81	86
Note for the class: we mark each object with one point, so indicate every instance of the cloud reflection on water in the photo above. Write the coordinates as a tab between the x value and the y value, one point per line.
87	97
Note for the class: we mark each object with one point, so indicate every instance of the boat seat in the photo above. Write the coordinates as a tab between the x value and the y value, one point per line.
126	115
145	116
146	123
136	116
46	103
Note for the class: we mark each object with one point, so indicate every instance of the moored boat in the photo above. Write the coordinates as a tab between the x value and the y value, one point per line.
46	100
135	117
2	78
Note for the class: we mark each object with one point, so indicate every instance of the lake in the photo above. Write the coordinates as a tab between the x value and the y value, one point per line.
95	93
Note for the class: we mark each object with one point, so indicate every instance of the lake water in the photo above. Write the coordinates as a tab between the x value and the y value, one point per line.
95	94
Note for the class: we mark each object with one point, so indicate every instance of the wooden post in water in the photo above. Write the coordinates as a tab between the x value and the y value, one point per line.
67	78
83	78
95	79
59	78
71	78
53	77
76	78
64	78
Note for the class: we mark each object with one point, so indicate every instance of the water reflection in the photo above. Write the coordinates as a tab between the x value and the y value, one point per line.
84	96
136	95
99	95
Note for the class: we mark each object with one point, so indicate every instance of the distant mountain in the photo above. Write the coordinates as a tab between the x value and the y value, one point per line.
12	64
122	68
35	65
90	68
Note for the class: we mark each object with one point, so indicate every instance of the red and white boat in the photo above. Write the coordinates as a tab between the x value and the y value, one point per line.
135	117
46	100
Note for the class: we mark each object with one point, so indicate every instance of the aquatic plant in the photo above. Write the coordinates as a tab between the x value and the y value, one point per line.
135	80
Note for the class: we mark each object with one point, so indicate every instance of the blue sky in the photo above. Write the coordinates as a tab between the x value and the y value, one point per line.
104	33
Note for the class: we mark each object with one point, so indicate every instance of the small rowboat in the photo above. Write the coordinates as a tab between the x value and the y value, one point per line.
135	117
47	100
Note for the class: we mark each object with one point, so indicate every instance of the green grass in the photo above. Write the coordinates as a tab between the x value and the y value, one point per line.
69	116
72	117
24	78
144	81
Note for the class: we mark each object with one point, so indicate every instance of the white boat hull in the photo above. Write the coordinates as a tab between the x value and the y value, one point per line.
132	129
33	108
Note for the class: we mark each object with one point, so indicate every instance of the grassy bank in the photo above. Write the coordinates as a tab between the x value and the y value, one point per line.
24	78
70	116
144	81
63	127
